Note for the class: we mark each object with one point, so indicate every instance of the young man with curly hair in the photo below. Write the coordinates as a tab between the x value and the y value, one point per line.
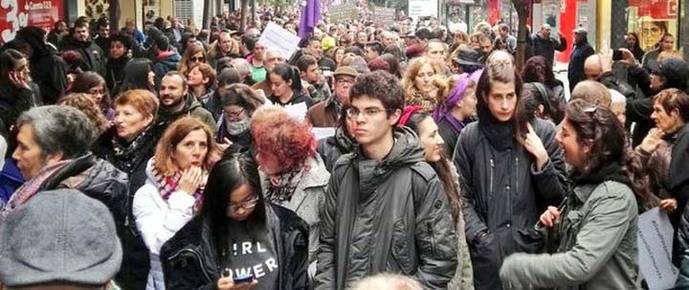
385	209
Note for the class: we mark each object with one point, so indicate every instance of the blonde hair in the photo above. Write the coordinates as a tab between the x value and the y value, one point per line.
592	92
415	66
84	103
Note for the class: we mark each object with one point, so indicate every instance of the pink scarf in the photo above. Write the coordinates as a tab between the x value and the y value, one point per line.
30	188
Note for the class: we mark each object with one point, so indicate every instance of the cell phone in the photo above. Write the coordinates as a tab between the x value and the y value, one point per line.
617	55
243	279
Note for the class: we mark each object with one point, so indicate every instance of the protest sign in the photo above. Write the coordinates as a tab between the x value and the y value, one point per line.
278	38
383	16
655	250
342	13
323	132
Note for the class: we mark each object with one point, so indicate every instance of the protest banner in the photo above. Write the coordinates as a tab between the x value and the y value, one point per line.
278	38
343	12
655	250
383	16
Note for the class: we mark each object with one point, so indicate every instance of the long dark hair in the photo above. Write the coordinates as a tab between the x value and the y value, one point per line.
227	175
289	73
137	75
442	168
598	127
87	80
504	73
9	59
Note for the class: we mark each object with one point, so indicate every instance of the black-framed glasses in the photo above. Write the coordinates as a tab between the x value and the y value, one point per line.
353	112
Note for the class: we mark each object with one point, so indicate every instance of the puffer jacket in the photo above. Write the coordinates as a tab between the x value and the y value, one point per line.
387	216
597	248
504	196
333	147
189	258
307	199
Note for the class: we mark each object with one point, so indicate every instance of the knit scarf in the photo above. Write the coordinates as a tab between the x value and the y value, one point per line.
30	188
281	187
169	184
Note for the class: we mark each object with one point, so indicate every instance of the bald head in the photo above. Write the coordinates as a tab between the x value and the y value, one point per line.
592	92
593	67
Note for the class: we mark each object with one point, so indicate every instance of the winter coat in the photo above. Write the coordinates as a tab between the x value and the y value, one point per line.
325	113
296	99
597	249
306	199
575	69
164	63
158	220
504	195
93	56
115	71
638	106
189	258
131	159
192	108
333	147
15	101
547	47
650	59
388	216
48	71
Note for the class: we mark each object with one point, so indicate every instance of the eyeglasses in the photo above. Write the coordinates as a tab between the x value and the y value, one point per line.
249	204
344	81
353	112
198	59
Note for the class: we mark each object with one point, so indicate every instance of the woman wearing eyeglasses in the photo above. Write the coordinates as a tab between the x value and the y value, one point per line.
239	102
238	240
193	55
596	225
293	173
94	85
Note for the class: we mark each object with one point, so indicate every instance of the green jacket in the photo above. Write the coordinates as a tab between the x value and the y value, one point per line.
597	249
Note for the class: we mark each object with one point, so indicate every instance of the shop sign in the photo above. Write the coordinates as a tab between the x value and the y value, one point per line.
15	14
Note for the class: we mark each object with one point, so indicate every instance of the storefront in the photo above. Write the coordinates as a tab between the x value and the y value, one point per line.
652	19
15	14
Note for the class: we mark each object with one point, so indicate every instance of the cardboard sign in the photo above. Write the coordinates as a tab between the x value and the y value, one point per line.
421	8
383	16
655	250
342	13
278	38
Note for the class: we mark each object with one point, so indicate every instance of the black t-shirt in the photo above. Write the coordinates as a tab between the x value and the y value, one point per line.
252	252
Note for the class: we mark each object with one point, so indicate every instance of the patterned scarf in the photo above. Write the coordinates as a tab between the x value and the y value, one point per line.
30	188
282	187
168	184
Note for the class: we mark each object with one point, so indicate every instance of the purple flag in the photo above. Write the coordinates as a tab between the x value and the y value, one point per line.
310	15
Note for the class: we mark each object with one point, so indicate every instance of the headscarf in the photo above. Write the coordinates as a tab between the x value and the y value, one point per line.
444	109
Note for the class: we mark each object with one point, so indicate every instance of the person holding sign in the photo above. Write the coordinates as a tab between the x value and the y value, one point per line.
596	225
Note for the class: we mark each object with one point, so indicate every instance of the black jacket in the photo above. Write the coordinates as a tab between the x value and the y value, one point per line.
333	147
504	196
48	71
189	258
547	47
575	69
638	108
93	56
391	216
114	74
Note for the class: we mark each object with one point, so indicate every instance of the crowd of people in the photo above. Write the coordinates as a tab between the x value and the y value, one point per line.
173	157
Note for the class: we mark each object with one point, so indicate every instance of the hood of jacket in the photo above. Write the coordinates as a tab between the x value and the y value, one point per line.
342	141
405	151
168	58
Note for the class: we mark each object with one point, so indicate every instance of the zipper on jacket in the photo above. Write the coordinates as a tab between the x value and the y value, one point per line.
492	167
429	229
198	258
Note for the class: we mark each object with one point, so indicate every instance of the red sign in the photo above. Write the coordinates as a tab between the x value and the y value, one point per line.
15	14
657	9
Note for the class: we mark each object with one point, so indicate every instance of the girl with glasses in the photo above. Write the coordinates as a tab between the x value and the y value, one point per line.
237	229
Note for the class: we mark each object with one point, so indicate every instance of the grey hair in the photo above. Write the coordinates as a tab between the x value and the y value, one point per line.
386	281
242	66
60	129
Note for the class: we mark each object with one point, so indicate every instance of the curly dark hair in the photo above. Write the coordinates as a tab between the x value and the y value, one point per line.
598	127
379	85
537	70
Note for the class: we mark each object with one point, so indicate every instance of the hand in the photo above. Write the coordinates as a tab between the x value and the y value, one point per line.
224	145
227	283
652	140
191	180
18	81
534	145
549	217
628	57
606	61
669	204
